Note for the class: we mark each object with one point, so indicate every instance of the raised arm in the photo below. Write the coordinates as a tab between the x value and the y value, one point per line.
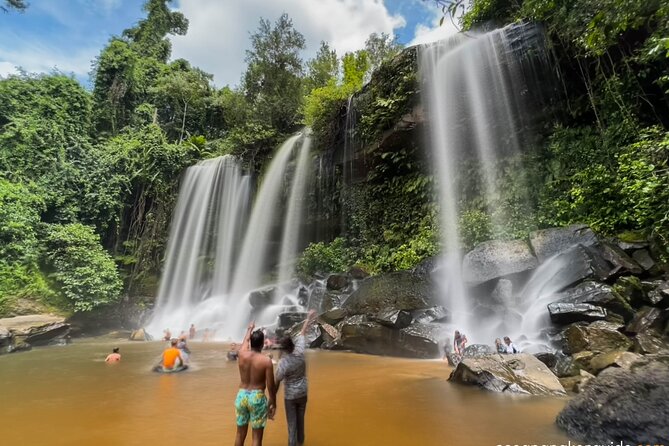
310	318
245	343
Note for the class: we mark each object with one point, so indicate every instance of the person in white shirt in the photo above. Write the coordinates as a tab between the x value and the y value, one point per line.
510	346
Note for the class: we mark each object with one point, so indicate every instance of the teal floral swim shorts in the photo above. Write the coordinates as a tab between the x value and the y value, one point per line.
251	405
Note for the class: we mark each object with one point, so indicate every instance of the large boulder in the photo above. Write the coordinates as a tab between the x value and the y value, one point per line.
262	297
334	315
497	258
571	365
337	282
650	343
566	313
647	318
599	336
6	340
139	335
393	318
398	291
548	242
49	334
622	359
622	405
434	314
643	258
598	294
313	337
420	341
519	373
362	335
621	263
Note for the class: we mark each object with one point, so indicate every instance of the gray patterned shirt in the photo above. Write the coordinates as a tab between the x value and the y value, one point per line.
292	371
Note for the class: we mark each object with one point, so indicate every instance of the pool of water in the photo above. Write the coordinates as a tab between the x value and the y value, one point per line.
69	396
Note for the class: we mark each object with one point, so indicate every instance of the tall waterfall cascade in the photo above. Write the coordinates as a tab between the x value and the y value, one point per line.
480	95
223	241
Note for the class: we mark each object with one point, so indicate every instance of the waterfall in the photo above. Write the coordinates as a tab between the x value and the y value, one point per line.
220	248
480	106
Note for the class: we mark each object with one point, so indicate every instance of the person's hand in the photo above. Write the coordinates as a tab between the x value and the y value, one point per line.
272	411
252	325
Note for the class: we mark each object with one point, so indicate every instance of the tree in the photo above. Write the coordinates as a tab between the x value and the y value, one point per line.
180	89
322	68
379	48
19	5
273	79
127	69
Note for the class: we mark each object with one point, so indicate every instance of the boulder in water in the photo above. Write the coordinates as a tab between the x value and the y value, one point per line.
566	313
518	373
420	341
313	337
497	258
55	333
546	243
576	383
139	335
628	405
599	336
6	340
572	365
398	291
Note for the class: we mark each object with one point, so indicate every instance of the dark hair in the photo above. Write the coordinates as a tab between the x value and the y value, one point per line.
257	340
287	344
174	342
115	350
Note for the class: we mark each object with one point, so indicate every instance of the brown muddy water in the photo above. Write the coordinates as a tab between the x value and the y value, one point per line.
69	396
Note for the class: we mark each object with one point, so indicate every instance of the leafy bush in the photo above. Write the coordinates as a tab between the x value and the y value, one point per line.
79	266
325	257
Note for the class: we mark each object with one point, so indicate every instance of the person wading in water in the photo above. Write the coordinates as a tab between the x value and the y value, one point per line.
256	373
292	370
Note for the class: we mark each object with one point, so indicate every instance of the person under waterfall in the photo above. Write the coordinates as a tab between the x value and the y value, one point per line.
256	373
510	346
459	342
292	370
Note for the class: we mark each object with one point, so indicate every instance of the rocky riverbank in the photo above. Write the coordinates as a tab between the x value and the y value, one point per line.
21	333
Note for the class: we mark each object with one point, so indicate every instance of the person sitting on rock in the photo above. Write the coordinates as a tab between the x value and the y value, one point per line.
171	358
510	346
114	356
499	346
459	342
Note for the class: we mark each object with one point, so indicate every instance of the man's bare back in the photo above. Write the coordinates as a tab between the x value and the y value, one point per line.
254	370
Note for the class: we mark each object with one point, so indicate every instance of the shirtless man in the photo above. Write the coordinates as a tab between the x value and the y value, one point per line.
256	372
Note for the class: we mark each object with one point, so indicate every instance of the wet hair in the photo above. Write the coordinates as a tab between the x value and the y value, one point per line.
115	350
257	340
287	344
174	342
506	338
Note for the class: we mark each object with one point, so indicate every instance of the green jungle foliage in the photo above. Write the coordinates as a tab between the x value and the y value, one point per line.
604	159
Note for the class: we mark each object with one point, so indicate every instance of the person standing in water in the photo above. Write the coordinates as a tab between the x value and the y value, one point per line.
256	373
292	370
114	356
191	332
